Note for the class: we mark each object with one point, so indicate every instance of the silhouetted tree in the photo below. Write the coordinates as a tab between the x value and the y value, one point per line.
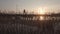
24	12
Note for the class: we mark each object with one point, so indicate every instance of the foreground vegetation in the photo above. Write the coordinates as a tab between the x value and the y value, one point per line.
12	24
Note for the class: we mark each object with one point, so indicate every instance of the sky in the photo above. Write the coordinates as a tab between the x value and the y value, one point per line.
29	4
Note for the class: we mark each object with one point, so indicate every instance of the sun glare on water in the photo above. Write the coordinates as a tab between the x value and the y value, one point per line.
41	18
42	11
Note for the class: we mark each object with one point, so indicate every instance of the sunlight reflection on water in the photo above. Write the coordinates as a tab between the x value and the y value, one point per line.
41	18
49	18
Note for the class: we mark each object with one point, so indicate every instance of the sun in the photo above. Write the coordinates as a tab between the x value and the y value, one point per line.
41	11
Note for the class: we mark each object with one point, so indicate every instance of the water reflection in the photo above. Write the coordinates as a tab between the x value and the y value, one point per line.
41	18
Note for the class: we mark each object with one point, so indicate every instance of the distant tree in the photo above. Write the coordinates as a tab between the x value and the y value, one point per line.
0	11
24	12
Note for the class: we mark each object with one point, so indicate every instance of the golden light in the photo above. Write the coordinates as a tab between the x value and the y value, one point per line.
41	10
41	18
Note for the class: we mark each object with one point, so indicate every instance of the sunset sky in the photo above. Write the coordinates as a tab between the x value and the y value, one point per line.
29	4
